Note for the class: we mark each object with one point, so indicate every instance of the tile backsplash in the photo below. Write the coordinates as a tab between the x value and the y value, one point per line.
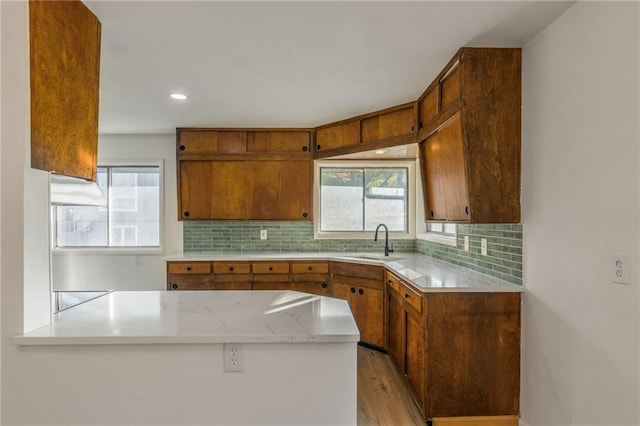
504	259
244	236
504	250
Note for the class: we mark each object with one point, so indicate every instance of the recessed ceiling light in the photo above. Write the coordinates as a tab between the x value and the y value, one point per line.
381	151
178	96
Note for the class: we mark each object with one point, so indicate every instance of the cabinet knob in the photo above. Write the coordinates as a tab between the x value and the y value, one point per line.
318	147
231	268
412	128
188	268
271	268
431	213
421	124
406	295
174	286
389	281
186	214
360	291
353	290
305	214
324	285
466	209
305	148
182	147
310	268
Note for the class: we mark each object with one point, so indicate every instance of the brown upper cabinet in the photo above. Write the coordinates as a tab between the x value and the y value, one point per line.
234	141
250	189
381	129
64	55
469	134
338	135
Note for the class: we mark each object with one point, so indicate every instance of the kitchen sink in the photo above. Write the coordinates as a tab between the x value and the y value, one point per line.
374	257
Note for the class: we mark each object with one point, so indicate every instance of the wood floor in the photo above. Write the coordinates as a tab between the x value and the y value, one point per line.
383	398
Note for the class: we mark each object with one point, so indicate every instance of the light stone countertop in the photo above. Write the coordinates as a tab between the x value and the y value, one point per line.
424	273
193	317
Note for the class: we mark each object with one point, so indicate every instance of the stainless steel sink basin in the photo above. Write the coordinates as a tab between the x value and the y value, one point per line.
374	257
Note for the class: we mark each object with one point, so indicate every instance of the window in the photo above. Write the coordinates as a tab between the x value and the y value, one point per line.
130	219
354	197
439	232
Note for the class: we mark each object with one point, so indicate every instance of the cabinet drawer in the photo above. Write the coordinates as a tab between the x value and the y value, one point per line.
190	268
270	268
231	268
393	281
414	298
310	268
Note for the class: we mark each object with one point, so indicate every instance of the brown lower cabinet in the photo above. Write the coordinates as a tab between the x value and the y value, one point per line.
459	351
363	287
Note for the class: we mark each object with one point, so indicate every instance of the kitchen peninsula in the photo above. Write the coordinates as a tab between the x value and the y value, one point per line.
165	353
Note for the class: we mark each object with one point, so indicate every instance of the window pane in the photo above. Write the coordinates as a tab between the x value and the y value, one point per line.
385	198
83	226
450	228
135	206
341	207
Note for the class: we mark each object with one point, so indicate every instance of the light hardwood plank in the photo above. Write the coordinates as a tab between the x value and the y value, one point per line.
383	398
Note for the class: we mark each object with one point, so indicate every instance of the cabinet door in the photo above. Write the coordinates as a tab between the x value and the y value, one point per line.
387	125
397	332
190	282
370	315
249	189
278	141
64	59
321	288
415	361
211	141
338	135
443	167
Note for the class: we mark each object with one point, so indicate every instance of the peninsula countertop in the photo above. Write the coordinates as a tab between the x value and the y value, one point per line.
192	317
424	273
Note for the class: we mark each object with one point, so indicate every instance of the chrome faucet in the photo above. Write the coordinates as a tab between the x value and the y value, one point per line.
387	250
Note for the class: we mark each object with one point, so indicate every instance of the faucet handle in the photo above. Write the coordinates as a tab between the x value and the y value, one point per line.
390	248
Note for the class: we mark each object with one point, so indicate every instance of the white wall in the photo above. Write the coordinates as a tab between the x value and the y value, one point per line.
581	113
74	270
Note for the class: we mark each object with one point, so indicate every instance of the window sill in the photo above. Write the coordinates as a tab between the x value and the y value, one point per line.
108	251
441	239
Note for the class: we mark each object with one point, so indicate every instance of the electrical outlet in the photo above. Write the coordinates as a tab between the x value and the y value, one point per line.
233	357
263	234
466	243
620	269
483	246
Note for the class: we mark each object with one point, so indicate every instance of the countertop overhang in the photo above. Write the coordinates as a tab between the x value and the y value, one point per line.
197	317
424	273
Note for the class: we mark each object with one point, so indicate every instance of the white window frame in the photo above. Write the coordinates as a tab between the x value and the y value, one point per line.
439	237
366	235
119	250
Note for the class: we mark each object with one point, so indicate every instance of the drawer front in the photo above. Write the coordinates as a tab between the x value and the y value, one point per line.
271	268
392	281
190	268
231	268
411	296
310	268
